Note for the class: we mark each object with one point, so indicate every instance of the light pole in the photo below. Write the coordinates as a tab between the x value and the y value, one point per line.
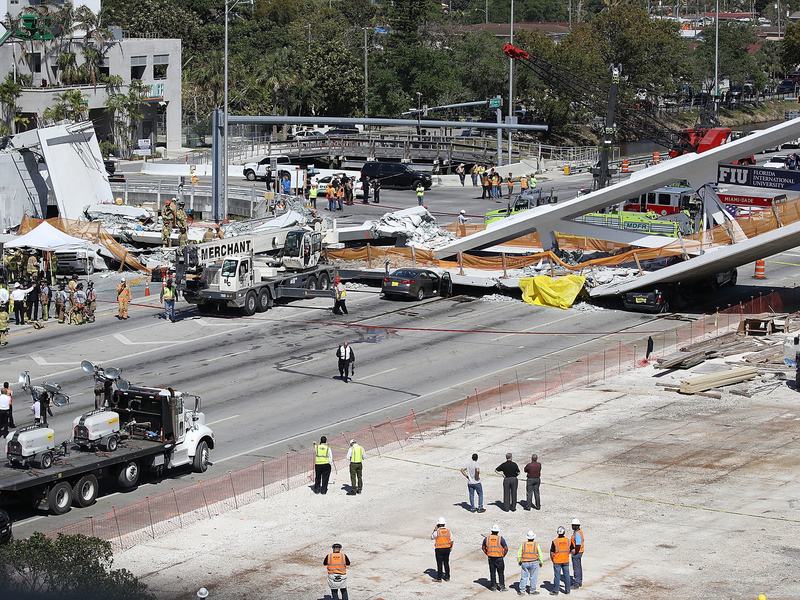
778	13
366	76
511	84
228	8
419	113
486	11
716	59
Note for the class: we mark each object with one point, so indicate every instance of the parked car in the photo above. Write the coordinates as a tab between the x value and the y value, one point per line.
5	527
307	134
662	298
322	185
259	170
776	162
342	131
417	283
396	176
787	86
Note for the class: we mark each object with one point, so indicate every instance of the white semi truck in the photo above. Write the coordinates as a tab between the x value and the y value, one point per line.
250	272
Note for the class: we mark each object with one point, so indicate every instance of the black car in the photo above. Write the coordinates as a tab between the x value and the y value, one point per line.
651	301
417	283
5	527
396	176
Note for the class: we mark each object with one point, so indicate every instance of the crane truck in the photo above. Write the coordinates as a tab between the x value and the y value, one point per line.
141	429
250	272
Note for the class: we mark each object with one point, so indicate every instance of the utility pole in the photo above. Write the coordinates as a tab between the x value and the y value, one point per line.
225	125
366	76
511	85
419	113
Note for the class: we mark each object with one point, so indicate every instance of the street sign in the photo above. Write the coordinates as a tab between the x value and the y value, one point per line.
774	179
511	120
495	102
142	152
143	143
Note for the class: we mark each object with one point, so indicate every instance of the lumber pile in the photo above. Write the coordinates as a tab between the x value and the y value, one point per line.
690	356
703	383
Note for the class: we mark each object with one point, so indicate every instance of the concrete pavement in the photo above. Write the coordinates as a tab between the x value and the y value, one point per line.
679	497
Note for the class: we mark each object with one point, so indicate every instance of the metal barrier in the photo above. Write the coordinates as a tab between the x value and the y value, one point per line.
176	508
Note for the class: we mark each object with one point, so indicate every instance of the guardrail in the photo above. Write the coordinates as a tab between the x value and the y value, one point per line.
241	200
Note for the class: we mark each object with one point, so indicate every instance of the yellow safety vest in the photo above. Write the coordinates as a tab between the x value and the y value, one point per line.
312	193
341	293
168	294
321	456
420	191
358	454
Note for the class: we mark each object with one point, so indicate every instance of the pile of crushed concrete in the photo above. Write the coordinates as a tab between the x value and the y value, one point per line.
414	226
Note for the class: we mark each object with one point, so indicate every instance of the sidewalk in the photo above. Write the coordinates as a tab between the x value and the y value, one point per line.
679	496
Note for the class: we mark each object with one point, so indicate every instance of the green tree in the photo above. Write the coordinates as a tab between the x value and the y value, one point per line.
125	108
10	91
70	105
736	63
68	566
790	47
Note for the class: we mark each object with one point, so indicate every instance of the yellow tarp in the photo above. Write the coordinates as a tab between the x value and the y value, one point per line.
544	290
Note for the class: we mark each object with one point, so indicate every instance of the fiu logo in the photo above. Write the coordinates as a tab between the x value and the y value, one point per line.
734	175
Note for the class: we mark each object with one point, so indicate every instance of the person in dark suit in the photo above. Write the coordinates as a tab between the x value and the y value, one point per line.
347	361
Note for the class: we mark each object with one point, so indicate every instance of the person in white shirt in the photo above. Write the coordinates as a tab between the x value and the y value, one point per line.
36	409
355	457
5	411
347	361
472	472
4	295
18	296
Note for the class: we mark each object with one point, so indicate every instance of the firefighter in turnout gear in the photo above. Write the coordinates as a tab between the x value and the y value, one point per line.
182	223
168	217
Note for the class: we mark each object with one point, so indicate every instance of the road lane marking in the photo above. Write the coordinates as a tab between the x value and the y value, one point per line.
788	264
302	362
570	316
126	342
415	398
226	356
221	420
376	374
28	520
44	363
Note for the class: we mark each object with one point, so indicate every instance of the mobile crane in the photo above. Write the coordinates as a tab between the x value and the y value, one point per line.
250	272
597	100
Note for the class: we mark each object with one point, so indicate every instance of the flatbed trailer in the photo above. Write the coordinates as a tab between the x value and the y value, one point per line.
75	477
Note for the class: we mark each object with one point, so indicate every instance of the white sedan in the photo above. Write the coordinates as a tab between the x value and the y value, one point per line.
322	186
776	162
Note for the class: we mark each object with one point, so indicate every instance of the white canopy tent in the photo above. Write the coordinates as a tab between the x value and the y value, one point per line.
46	237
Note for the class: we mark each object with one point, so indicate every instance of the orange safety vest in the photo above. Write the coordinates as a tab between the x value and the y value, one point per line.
443	538
494	549
583	540
337	564
530	552
561	555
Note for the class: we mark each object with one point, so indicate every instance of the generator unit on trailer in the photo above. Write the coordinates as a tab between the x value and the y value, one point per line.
33	445
98	428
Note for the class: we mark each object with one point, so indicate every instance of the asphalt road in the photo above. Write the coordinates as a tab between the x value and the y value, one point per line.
268	381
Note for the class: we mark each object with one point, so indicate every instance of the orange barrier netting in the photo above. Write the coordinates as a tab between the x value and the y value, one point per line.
178	507
90	231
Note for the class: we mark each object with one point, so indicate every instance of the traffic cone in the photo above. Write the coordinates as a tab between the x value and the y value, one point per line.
761	270
147	287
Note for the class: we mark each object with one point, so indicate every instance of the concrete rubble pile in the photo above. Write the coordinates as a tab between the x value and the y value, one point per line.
414	226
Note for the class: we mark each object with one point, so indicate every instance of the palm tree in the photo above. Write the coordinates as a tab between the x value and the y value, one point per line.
126	112
68	71
10	91
70	105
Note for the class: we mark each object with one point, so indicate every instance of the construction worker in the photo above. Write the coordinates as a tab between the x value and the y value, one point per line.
347	361
91	302
510	184
330	194
529	558
462	223
79	298
442	545
167	296
340	296
485	183
123	298
167	222
61	302
4	321
420	194
533	182
313	192
559	554
182	223
355	456
337	563
577	545
495	548
323	459
523	183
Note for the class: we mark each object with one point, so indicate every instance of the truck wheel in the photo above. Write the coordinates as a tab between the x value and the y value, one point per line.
84	492
46	461
324	282
59	498
311	283
111	443
201	458
250	175
250	304
128	475
264	300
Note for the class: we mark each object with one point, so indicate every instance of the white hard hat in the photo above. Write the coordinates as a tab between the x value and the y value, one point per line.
164	394
463	212
441	521
531	535
16	285
352	441
495	528
560	531
202	593
576	521
122	279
